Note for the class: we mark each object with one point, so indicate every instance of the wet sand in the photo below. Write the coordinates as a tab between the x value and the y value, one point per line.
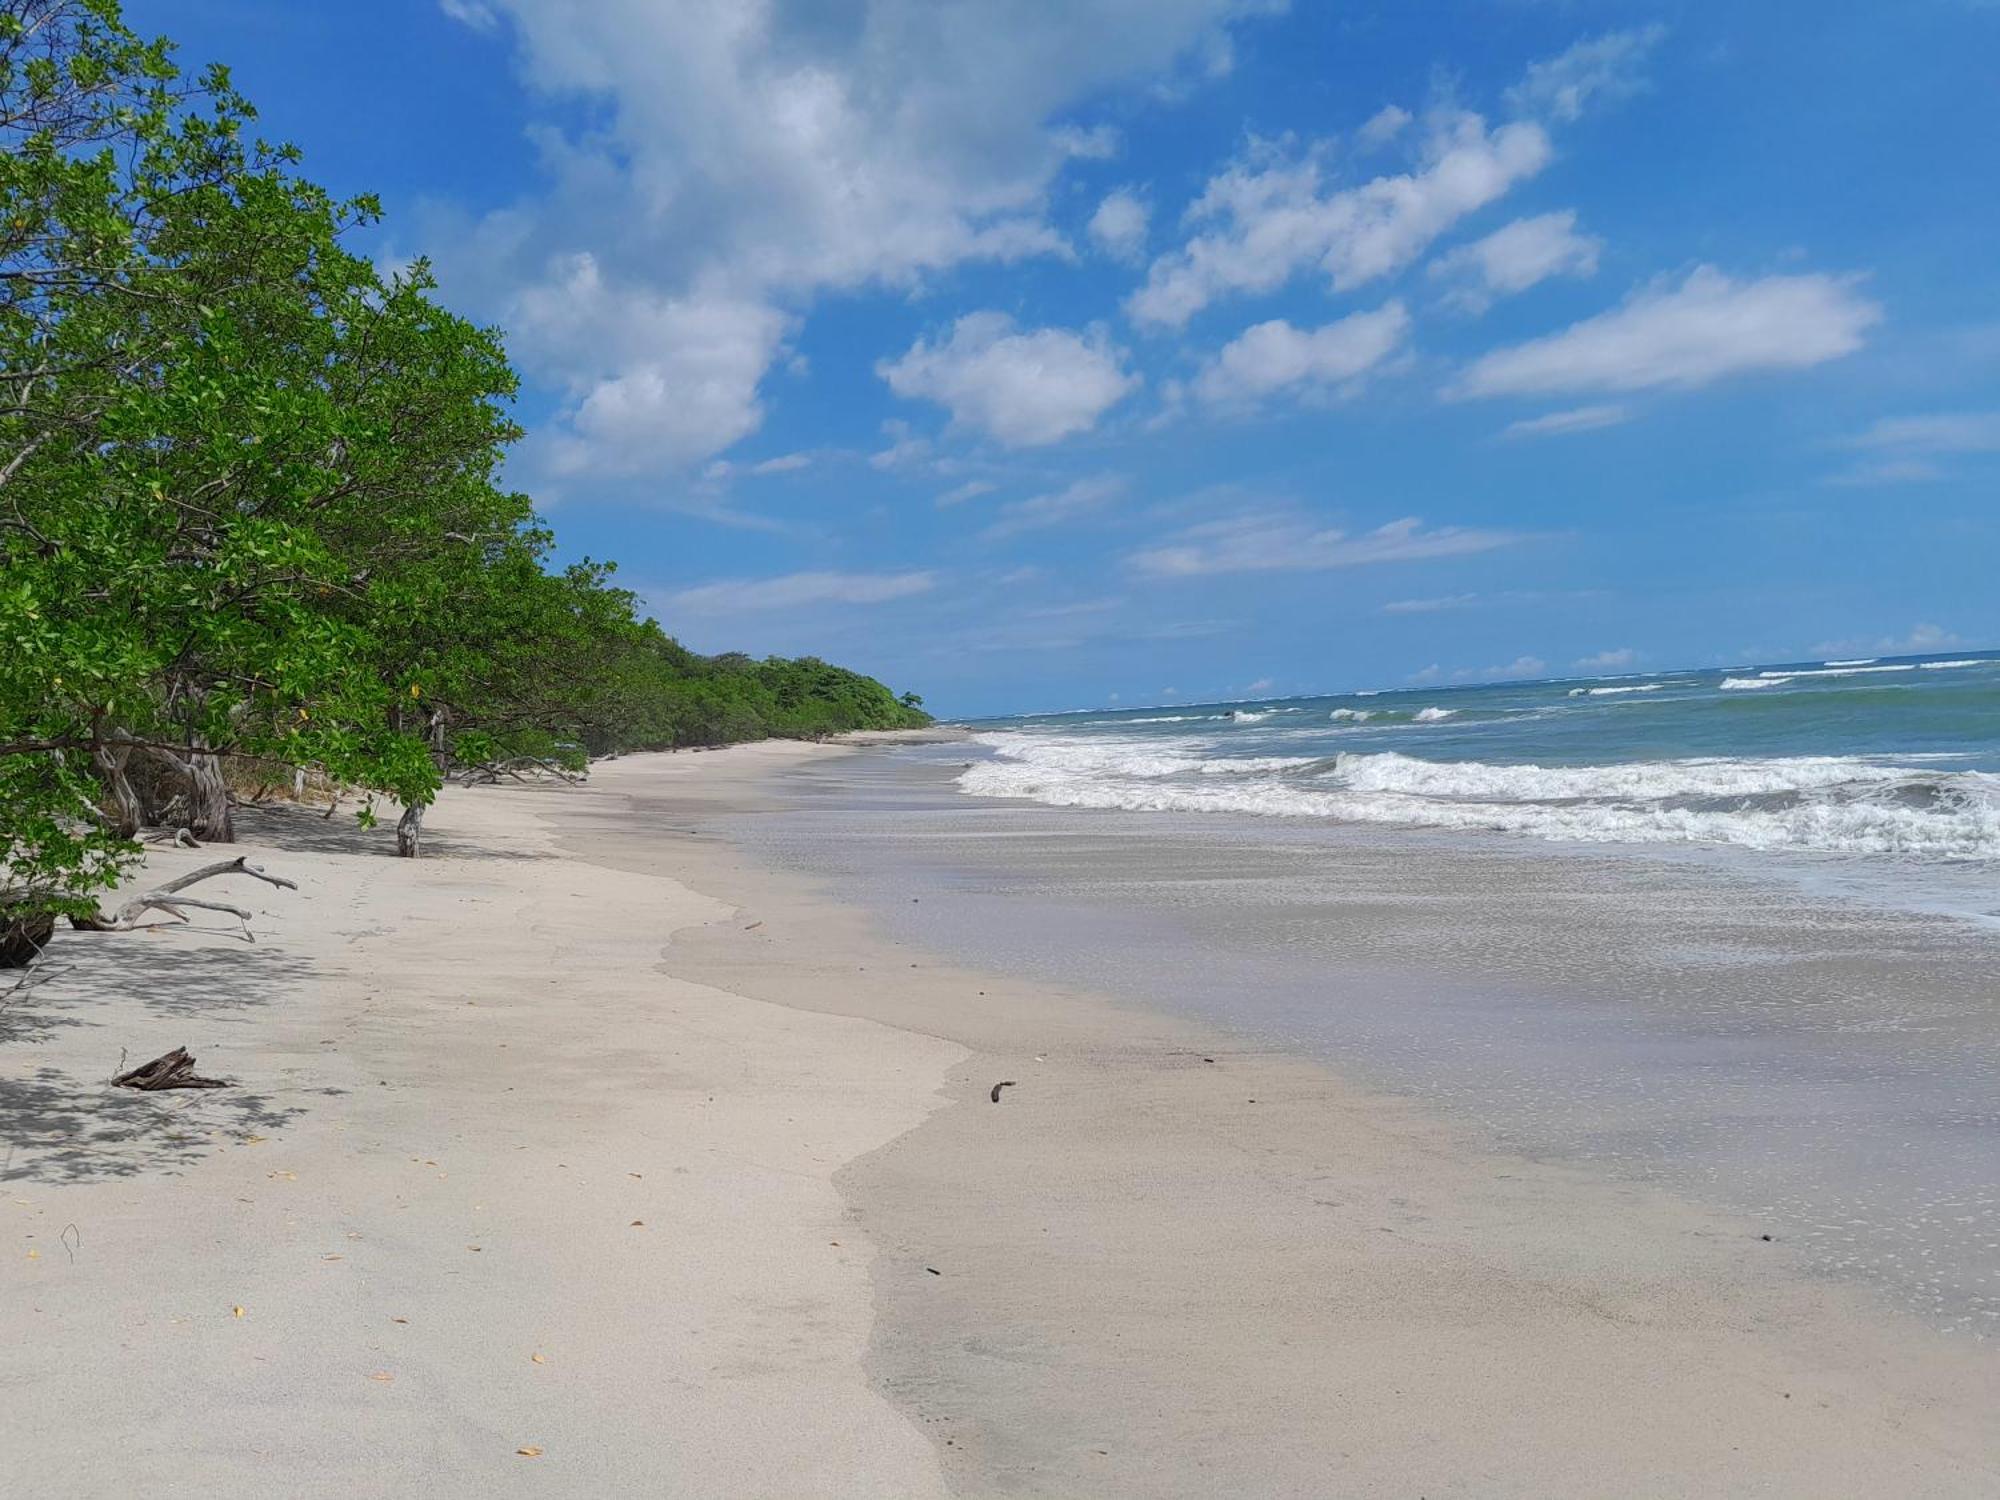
717	1143
1170	1262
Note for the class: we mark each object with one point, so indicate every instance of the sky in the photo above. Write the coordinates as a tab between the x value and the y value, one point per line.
1070	353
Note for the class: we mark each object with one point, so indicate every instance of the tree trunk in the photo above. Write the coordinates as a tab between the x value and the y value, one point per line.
410	831
128	816
208	799
23	937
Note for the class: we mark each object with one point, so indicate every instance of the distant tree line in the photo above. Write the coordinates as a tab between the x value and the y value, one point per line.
249	497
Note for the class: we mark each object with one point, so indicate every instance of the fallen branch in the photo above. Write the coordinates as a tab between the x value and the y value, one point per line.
167	898
170	1070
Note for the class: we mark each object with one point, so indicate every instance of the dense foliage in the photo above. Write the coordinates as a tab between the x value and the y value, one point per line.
249	502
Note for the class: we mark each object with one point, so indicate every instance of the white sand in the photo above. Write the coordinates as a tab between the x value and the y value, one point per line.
460	1081
1151	1285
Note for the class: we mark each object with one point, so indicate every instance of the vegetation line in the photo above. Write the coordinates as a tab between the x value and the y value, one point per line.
250	505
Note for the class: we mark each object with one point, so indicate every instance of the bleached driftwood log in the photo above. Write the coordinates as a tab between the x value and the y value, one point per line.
168	898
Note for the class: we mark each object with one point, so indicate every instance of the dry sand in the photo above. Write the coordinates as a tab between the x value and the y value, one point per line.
1142	1273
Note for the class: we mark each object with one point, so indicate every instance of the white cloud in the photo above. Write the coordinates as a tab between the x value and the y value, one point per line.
1275	356
474	13
1467	601
730	161
784	463
1605	67
1919	640
1023	389
1514	671
687	367
1269	218
1615	660
1888	471
1936	432
972	489
906	447
1286	541
1705	329
1118	228
1383	126
1057	508
1575	419
793	590
1514	258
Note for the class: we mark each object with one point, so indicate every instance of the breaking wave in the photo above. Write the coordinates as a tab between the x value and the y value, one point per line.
1834	804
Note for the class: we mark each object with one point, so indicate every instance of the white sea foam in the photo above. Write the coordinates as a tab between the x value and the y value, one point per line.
1835	804
1434	715
1745	684
1352	715
1250	716
1963	661
1605	692
1791	672
1859	661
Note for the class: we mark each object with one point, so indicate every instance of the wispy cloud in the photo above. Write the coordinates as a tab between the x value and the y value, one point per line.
1287	541
1935	432
972	489
1603	68
794	590
1516	257
1906	449
1705	329
1057	508
1575	419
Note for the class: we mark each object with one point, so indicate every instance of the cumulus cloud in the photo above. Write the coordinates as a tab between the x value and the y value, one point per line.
1057	508
1269	218
1023	388
687	367
1275	356
1615	660
1267	541
794	590
1575	419
1514	258
1705	329
733	161
1603	68
1118	228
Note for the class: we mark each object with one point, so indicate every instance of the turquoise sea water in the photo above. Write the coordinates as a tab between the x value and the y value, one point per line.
1896	757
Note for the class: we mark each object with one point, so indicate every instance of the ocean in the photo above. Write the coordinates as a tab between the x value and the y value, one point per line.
1896	757
1738	941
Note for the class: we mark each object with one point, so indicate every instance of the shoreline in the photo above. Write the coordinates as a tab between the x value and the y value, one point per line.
1154	1285
1141	1273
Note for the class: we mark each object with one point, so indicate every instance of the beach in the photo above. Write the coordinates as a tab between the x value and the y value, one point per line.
599	1151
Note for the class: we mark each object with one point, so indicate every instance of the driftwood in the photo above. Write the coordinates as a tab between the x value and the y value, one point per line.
168	898
488	772
170	1070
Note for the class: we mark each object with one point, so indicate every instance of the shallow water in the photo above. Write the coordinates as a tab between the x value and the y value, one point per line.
1772	1038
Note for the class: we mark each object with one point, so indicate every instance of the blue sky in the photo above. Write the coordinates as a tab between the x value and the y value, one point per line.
1049	355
